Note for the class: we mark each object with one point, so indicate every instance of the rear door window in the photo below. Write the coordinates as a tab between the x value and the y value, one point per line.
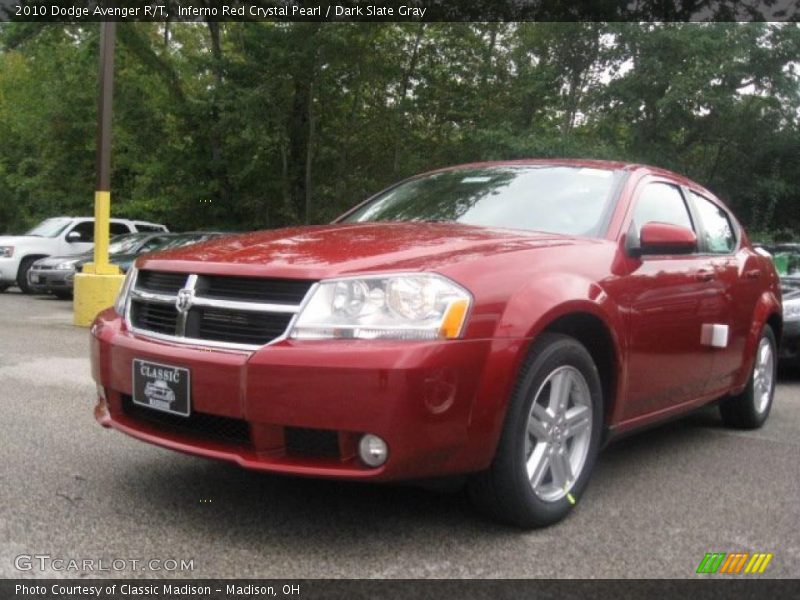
718	236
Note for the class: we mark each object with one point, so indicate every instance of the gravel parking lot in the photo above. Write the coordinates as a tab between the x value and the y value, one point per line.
68	488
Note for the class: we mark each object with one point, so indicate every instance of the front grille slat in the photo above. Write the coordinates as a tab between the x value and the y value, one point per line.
160	318
242	327
275	291
156	281
221	319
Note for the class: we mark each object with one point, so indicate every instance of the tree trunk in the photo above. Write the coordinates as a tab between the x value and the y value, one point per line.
300	127
401	100
218	169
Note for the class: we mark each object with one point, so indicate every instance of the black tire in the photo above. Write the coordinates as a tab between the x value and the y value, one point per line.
62	295
22	275
749	410
4	287
504	491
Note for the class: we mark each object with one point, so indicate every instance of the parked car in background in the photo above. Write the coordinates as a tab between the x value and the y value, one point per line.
124	260
786	258
59	236
501	320
56	274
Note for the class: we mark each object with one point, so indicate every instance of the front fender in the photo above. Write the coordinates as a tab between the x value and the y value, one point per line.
536	305
527	314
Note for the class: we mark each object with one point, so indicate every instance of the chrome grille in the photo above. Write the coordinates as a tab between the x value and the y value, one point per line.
214	310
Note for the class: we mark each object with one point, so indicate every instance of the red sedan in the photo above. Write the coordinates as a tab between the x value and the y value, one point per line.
502	320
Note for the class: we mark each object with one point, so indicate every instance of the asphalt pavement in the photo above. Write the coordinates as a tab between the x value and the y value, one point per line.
69	489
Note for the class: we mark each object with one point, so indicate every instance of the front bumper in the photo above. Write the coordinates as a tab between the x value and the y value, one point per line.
51	280
8	270
301	407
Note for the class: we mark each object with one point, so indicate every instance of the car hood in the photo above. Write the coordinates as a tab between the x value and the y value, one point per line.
19	240
51	261
324	251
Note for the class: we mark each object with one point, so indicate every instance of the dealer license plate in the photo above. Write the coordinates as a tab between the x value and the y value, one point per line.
161	387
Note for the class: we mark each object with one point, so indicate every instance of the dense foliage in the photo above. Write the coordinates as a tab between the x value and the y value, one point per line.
250	125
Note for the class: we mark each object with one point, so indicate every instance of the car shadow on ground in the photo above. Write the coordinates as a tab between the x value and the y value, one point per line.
221	497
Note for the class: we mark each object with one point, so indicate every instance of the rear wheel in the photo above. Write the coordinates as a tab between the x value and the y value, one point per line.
22	275
750	409
550	439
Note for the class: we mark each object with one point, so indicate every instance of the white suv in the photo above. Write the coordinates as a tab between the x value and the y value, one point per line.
59	236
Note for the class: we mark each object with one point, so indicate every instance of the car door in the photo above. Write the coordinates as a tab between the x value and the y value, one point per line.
738	279
667	300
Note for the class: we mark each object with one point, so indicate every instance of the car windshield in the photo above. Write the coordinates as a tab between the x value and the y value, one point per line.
126	243
50	228
555	199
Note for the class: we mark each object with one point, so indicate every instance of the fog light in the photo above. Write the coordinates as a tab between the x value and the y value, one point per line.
372	450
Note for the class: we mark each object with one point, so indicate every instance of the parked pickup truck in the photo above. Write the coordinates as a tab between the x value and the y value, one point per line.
60	236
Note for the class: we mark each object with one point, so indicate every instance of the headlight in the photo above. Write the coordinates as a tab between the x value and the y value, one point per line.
124	292
66	266
791	309
6	251
405	307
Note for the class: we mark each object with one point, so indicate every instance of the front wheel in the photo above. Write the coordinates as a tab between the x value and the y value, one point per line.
750	409
22	275
550	439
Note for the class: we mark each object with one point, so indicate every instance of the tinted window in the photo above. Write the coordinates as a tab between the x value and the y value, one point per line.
717	230
86	231
662	203
117	228
570	200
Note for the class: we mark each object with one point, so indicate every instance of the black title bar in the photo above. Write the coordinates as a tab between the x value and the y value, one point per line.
400	10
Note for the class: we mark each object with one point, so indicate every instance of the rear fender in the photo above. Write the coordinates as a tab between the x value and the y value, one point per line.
768	305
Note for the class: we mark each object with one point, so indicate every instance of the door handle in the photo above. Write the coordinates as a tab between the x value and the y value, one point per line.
704	275
752	274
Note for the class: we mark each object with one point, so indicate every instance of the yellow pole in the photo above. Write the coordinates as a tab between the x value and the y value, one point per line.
102	226
97	286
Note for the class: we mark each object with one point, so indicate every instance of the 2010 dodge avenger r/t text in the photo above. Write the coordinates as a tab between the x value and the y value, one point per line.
501	320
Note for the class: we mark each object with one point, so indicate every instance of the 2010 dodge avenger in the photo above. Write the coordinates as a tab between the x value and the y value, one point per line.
502	320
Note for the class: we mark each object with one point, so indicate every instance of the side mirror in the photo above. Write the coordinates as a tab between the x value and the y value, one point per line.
73	236
663	238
